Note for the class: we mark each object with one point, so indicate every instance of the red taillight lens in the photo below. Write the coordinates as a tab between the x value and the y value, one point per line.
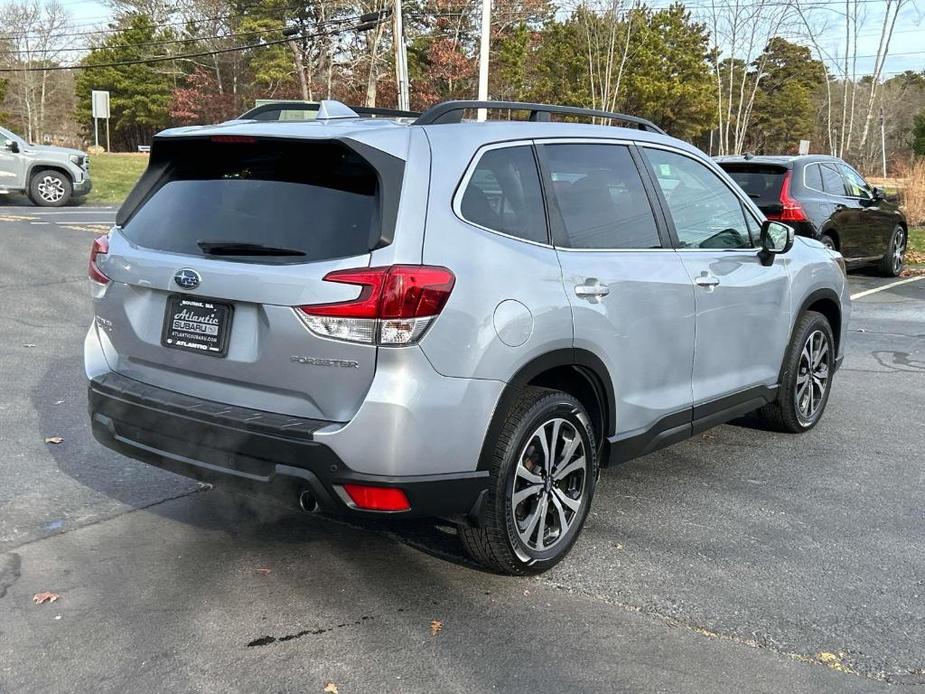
791	210
100	247
399	291
377	498
395	305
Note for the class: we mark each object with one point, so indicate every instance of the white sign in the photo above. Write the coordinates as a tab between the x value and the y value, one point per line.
100	104
804	146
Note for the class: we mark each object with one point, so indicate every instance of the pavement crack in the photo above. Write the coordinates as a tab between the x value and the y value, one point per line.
134	509
267	640
830	660
10	566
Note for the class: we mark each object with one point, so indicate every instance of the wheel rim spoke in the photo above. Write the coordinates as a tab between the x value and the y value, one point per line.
574	466
525	474
562	497
525	493
541	527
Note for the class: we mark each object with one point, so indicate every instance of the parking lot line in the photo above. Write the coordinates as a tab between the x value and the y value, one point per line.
868	292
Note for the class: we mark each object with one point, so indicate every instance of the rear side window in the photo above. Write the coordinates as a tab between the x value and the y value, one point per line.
319	200
762	183
832	181
600	198
503	194
812	177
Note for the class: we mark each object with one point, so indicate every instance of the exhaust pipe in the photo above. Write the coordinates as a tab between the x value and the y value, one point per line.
307	502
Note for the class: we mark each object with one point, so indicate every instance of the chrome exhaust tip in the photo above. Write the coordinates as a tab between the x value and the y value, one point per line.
307	502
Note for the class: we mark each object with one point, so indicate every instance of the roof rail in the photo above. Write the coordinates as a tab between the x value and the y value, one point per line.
282	105
452	112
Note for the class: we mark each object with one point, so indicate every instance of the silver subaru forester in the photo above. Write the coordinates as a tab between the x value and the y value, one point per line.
442	317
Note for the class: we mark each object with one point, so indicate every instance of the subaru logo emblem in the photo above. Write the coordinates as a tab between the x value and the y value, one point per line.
187	279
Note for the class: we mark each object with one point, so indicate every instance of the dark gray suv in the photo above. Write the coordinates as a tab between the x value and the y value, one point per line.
824	198
436	317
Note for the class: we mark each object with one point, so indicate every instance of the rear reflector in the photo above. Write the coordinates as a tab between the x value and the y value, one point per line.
377	498
99	247
395	306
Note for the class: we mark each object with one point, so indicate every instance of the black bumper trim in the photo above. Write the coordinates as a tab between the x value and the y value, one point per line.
252	452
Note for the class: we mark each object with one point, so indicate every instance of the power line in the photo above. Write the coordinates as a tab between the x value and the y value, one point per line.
183	56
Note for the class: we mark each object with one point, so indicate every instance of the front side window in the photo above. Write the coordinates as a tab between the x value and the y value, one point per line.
706	213
600	198
503	194
832	181
855	184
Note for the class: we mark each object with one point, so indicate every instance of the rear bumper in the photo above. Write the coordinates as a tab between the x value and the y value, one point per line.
255	452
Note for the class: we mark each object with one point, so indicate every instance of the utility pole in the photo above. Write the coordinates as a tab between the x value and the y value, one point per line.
484	47
401	58
882	142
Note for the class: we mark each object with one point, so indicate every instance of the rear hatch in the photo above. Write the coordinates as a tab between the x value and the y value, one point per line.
219	244
762	182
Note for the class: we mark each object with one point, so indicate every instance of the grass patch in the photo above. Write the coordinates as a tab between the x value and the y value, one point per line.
113	176
917	239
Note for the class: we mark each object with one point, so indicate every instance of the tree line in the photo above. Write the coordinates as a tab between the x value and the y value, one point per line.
719	73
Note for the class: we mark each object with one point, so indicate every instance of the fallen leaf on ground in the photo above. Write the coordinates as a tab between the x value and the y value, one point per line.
43	597
330	688
435	627
54	439
263	571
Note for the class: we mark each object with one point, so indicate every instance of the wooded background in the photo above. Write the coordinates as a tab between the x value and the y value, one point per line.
729	75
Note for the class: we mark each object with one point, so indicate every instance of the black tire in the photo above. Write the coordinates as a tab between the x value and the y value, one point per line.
895	258
50	188
828	242
516	457
786	413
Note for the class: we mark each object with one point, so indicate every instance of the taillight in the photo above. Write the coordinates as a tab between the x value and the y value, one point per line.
100	247
791	210
395	306
377	498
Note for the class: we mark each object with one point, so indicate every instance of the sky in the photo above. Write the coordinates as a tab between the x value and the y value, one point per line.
907	49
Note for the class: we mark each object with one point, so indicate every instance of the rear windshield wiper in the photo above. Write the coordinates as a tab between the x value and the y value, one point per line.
237	248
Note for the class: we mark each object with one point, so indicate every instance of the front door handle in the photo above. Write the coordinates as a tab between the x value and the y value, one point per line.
592	290
707	280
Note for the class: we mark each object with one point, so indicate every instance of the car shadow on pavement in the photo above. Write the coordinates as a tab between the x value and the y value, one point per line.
142	486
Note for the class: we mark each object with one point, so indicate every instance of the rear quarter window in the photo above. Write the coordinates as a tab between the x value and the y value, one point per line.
317	198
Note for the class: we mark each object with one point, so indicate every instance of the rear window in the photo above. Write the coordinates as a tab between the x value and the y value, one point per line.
762	183
319	200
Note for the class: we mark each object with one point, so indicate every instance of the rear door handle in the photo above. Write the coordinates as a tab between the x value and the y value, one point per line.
592	290
706	280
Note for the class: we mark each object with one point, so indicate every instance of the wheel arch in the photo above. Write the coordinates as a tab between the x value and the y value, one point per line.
578	372
37	167
826	302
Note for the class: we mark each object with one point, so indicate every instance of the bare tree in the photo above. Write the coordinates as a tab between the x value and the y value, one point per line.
32	34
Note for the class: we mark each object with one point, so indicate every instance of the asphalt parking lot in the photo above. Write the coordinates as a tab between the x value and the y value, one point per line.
741	560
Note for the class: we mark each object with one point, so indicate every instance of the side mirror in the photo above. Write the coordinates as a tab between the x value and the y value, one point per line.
776	238
11	146
878	194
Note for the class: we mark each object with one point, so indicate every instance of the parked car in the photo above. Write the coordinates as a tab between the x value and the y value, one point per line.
826	199
447	318
50	176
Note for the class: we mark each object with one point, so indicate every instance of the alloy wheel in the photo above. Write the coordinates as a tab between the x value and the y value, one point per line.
899	249
51	189
812	376
549	484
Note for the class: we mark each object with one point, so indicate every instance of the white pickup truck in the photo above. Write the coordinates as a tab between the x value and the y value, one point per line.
50	176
